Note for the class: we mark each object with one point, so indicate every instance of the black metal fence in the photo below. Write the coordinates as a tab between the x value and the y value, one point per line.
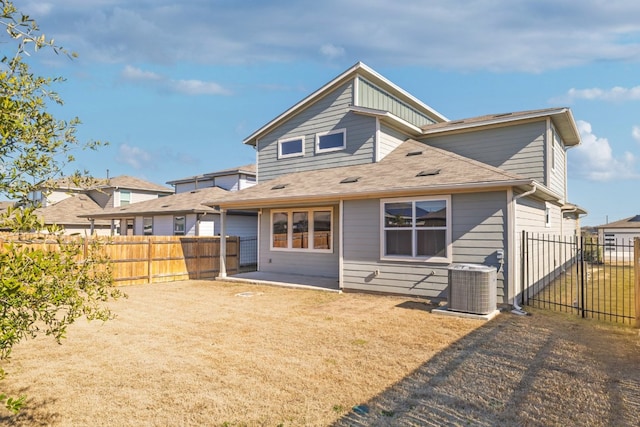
248	254
580	275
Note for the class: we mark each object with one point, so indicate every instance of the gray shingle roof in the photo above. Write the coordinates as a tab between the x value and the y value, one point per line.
411	168
187	202
68	211
631	222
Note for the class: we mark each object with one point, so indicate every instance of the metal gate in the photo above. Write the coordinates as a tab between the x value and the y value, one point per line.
581	275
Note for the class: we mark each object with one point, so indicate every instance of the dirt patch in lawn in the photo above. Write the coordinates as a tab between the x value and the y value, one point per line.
214	353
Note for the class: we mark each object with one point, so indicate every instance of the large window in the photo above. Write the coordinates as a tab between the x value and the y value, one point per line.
331	141
416	229
302	229
292	147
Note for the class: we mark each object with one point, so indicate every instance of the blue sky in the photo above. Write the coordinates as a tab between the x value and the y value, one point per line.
175	86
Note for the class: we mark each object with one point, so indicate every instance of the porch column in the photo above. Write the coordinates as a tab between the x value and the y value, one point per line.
223	244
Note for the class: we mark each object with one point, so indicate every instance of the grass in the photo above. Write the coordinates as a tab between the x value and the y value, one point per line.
609	292
197	353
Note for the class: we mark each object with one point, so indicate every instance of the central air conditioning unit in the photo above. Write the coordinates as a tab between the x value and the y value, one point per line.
472	288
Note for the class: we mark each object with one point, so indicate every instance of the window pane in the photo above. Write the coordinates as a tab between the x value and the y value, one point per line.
288	148
432	243
333	140
280	220
300	230
125	198
431	213
398	242
322	230
398	214
147	225
178	225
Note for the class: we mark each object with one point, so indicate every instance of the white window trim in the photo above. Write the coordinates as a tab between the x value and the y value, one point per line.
433	259
332	132
310	212
284	140
152	222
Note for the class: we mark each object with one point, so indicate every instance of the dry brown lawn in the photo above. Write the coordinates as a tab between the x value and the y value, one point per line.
205	353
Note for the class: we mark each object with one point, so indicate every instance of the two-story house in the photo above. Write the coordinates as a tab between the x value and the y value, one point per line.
67	203
364	184
183	213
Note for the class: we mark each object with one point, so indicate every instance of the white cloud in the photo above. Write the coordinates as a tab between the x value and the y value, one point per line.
615	94
635	133
135	157
133	74
197	87
331	51
594	158
185	87
529	36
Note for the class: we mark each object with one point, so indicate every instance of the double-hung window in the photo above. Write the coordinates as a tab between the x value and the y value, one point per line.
147	226
302	229
416	229
334	140
291	147
125	197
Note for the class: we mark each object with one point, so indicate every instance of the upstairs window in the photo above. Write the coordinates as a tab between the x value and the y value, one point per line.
125	197
292	147
335	140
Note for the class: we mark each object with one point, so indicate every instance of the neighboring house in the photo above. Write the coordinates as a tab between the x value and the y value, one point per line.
233	179
65	203
365	184
617	237
183	213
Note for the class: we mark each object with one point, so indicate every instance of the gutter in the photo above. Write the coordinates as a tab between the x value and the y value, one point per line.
516	308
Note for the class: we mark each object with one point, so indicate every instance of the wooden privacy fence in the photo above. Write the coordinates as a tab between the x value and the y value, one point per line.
154	259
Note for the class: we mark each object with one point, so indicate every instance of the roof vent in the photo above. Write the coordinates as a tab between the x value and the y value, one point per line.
457	122
165	206
279	186
429	172
502	115
350	180
414	153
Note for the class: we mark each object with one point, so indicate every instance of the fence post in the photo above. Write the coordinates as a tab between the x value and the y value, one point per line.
149	260
636	270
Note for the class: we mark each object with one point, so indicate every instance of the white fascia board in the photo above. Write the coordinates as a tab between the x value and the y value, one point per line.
386	116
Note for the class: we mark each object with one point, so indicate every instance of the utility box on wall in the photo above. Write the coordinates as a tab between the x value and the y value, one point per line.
472	288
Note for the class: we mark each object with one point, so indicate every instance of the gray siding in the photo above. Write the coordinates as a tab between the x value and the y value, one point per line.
388	141
519	149
297	262
371	96
328	113
478	231
557	169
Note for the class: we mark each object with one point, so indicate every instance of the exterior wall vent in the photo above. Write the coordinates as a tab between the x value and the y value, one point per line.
472	288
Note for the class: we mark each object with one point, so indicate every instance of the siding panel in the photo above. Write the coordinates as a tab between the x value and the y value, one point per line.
518	149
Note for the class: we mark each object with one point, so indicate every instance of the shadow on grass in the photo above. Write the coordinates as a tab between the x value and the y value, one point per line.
515	371
34	412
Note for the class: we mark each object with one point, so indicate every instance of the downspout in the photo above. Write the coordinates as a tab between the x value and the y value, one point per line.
516	307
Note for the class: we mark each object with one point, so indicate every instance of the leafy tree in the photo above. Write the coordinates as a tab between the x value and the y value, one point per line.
43	288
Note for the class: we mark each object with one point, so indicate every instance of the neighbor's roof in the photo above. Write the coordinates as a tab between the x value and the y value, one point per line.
122	181
359	69
70	211
246	170
631	222
133	183
411	168
561	117
180	203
